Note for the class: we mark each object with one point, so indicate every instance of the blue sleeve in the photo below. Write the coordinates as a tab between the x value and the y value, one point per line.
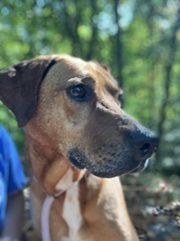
16	178
3	201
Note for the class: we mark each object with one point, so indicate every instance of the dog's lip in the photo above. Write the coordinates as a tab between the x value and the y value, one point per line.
140	167
80	161
76	159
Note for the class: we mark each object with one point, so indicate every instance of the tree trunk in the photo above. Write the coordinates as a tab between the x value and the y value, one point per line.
167	81
118	48
94	35
72	25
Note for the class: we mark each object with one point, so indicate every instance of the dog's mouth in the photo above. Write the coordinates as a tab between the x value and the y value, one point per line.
109	173
107	170
142	165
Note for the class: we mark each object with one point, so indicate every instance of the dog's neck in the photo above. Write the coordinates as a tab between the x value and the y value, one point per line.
49	166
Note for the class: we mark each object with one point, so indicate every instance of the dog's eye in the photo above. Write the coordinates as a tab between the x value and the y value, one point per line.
79	92
120	98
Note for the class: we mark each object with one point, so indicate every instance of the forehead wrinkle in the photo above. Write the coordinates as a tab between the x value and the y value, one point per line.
103	80
113	90
104	86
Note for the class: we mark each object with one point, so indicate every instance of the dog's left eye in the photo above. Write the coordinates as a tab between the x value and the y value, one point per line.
120	98
79	92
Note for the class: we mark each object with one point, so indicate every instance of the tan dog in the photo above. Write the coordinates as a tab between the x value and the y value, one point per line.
76	132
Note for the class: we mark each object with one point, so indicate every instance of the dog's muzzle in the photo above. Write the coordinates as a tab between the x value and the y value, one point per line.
138	147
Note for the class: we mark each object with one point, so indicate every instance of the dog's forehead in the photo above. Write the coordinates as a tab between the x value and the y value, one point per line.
101	76
68	67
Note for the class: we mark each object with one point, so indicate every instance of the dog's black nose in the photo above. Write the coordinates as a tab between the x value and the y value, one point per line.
146	149
145	143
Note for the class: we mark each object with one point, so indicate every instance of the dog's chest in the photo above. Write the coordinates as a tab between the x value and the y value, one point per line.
72	213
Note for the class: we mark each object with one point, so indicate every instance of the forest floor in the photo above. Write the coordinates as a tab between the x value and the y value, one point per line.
153	205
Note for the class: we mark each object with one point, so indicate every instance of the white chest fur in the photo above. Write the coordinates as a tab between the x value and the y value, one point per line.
72	213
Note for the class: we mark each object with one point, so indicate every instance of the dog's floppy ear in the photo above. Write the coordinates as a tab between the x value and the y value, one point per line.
19	86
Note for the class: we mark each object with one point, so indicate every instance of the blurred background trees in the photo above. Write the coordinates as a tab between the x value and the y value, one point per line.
138	40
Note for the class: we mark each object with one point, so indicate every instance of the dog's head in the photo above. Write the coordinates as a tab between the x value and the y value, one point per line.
76	104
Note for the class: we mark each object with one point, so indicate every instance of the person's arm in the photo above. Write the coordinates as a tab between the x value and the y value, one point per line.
14	218
15	181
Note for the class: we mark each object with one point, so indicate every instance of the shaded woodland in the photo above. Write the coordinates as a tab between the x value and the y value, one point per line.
139	40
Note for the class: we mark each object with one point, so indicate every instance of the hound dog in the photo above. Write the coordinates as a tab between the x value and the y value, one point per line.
79	141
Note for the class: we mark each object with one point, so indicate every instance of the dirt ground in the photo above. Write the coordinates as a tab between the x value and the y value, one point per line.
153	205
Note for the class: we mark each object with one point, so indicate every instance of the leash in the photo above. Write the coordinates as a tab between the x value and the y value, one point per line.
45	232
45	213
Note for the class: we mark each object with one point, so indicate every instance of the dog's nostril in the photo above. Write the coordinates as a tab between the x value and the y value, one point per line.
145	149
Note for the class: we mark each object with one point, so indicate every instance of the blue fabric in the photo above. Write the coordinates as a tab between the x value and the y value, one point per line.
12	177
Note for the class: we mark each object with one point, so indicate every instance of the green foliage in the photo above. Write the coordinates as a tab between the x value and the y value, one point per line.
88	29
